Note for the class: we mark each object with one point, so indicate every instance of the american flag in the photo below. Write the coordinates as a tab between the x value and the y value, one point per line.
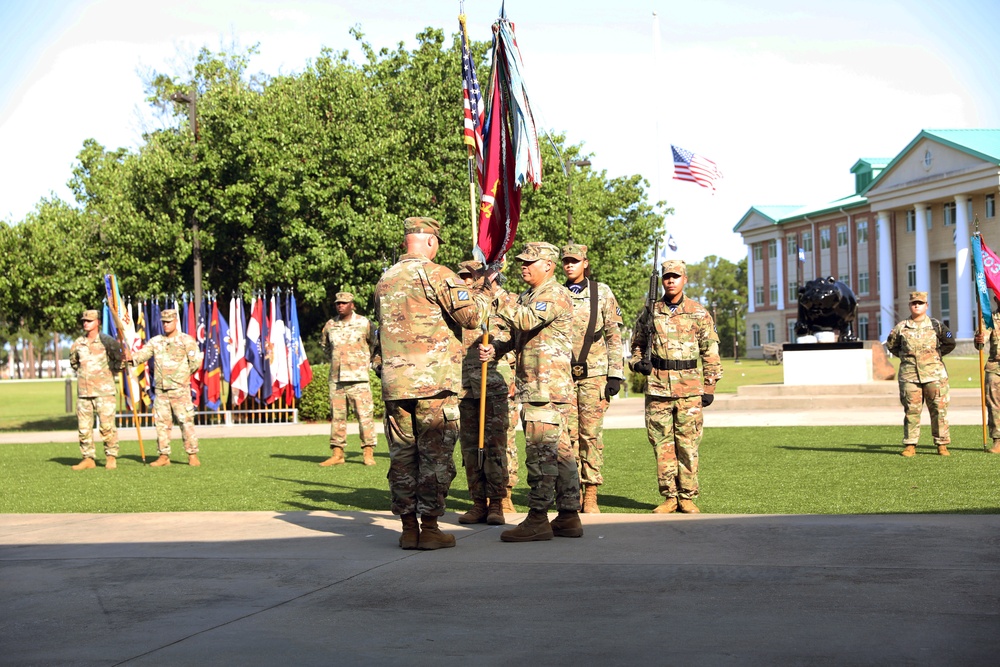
692	167
472	99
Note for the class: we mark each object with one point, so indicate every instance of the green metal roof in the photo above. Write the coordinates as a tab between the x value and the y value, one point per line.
984	144
871	162
772	213
851	201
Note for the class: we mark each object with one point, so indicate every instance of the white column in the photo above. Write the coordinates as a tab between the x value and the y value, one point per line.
886	277
962	317
751	306
781	273
923	264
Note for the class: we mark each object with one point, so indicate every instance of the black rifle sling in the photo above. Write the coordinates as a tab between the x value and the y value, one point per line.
580	365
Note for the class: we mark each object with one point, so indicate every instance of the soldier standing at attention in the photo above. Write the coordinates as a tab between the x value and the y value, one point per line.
597	367
541	319
349	340
681	330
992	383
96	357
421	308
176	358
920	342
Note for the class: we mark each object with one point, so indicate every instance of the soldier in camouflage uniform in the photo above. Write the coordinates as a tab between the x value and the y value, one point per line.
421	308
920	342
489	481
541	321
682	331
349	341
176	358
992	383
96	357
598	377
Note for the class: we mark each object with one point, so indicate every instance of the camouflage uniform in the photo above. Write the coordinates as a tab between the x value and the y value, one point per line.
993	383
95	362
176	358
684	332
541	319
421	308
349	344
922	375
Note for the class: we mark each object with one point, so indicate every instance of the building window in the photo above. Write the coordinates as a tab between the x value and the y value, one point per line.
863	327
991	206
758	295
863	286
879	328
862	231
758	254
772	249
945	302
930	217
770	332
841	236
774	295
911	276
807	241
824	239
877	227
911	221
949	214
844	278
791	331
755	336
793	291
791	245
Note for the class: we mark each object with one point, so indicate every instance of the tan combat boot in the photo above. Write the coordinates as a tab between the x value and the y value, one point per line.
590	499
431	536
943	450
668	506
508	503
996	447
495	515
193	460
410	539
85	464
164	460
534	528
908	451
687	506
369	452
476	514
567	524
110	463
336	459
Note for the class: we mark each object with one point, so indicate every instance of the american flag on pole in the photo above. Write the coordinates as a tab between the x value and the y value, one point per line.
692	167
472	99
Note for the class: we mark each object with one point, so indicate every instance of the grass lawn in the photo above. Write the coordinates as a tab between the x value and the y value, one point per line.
776	470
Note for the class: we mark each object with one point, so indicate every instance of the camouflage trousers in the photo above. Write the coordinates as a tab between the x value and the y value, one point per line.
993	403
489	480
422	433
936	395
674	427
586	427
513	416
359	394
172	403
104	407
552	474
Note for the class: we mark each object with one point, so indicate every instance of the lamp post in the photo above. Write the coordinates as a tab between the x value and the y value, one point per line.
192	102
569	194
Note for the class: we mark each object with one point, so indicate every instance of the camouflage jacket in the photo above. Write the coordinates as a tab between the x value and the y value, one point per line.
349	345
421	308
498	372
541	320
176	358
993	361
683	335
920	346
605	356
95	363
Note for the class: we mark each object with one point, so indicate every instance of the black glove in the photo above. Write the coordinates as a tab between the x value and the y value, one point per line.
707	400
613	387
643	367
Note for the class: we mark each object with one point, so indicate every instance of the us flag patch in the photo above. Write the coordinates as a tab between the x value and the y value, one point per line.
542	306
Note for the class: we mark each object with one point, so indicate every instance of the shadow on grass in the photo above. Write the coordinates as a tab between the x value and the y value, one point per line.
857	448
64	423
349	457
331	497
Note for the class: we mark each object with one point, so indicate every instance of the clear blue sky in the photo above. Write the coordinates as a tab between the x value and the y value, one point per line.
784	96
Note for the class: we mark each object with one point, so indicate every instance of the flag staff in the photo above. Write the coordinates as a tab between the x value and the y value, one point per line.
981	333
132	386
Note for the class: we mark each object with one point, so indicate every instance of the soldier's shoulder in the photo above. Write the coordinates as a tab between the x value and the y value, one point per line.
82	340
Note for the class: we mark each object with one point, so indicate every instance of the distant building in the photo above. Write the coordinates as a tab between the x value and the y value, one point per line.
906	227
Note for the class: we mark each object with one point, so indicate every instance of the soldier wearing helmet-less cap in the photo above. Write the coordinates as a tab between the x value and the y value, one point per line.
349	342
920	342
992	371
597	367
676	392
96	357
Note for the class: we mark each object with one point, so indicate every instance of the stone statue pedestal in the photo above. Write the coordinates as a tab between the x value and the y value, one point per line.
827	363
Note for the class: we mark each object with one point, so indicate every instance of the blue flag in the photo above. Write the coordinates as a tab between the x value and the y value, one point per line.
982	290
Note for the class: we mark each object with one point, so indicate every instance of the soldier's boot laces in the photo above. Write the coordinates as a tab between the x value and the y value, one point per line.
431	536
193	460
908	451
508	503
668	506
85	464
495	515
996	447
476	514
534	528
336	459
567	524
687	506
943	450
590	499
410	538
369	452
110	463
164	460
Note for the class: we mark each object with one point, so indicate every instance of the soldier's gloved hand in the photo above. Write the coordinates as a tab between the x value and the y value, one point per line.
378	371
612	388
643	367
707	400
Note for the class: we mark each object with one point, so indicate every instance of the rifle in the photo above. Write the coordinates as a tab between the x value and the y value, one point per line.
645	323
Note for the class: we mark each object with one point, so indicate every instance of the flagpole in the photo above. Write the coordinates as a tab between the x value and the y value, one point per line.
980	331
128	367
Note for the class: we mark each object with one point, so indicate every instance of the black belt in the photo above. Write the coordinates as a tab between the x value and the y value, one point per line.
673	364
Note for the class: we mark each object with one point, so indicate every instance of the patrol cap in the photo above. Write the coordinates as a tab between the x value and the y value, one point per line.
470	266
676	266
575	251
89	316
918	296
168	315
422	226
344	297
539	250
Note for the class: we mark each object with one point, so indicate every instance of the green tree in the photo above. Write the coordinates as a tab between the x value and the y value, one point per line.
721	286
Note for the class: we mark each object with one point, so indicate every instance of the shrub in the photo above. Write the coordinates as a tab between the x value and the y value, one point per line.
314	406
